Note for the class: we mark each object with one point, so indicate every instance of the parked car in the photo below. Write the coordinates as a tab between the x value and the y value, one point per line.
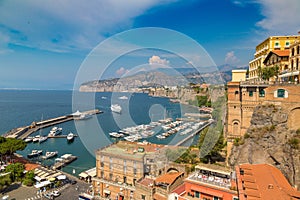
48	195
56	193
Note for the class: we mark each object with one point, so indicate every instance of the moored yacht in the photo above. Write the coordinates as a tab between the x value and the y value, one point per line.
35	153
50	154
55	131
116	108
43	139
123	97
36	138
28	139
70	137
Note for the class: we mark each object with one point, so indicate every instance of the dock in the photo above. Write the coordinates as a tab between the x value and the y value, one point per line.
63	161
23	132
60	136
193	134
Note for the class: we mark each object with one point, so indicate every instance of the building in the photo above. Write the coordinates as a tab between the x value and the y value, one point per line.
278	60
293	71
263	181
262	50
121	165
244	96
208	183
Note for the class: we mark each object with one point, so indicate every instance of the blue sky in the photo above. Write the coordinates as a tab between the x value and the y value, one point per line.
43	43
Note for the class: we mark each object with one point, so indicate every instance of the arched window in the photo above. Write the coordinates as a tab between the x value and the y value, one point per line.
298	50
261	93
236	128
293	51
280	93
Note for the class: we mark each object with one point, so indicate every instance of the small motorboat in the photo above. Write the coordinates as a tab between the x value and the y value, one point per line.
36	138
42	139
70	137
50	154
28	139
35	153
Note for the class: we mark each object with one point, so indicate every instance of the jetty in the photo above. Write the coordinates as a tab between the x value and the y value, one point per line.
193	134
23	132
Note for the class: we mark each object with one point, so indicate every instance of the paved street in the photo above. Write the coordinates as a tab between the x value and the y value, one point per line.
67	191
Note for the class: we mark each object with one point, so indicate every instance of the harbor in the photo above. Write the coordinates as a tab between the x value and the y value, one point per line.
24	132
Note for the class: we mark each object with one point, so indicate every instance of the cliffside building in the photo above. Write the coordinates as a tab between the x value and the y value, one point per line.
262	50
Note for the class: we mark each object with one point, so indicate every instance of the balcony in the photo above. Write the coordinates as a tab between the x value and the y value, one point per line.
117	184
288	73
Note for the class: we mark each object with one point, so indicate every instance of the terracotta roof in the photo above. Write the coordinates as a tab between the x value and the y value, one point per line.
180	189
146	181
30	166
264	181
282	52
168	178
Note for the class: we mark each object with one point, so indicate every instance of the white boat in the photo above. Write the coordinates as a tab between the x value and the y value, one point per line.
116	135
50	154
28	139
161	137
43	139
70	137
36	138
83	116
103	97
35	153
55	131
123	97
116	108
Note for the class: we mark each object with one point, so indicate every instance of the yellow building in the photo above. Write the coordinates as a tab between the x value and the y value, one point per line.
262	50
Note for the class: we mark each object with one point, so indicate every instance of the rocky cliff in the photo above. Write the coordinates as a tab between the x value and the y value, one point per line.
268	140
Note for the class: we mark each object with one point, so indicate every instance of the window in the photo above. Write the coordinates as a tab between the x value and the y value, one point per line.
287	44
236	92
110	176
276	44
143	197
298	50
216	198
250	93
125	179
102	174
197	194
280	93
235	198
261	93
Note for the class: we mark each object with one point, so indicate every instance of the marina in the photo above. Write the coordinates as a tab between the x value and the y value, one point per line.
63	161
24	132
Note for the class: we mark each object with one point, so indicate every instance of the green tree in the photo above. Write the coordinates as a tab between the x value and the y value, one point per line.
11	145
16	170
29	178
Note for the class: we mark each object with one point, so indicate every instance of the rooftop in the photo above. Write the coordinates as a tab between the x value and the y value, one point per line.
168	178
134	150
263	181
147	181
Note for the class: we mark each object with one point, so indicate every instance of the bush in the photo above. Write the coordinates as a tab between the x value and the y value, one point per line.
294	143
246	135
298	131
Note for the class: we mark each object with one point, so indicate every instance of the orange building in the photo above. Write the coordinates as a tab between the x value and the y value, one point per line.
263	181
207	184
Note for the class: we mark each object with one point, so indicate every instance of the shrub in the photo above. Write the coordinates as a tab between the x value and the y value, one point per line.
294	143
246	135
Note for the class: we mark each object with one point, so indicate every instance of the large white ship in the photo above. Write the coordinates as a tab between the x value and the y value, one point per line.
116	108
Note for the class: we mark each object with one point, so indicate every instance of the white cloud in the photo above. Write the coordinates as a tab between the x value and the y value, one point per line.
230	58
121	71
157	60
68	24
280	17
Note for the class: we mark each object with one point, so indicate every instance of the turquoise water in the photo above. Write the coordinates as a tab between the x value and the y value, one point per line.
20	108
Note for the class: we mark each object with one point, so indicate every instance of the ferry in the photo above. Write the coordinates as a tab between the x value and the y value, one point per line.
55	131
35	153
116	108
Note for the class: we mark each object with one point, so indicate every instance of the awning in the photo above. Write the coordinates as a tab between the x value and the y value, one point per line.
51	179
38	178
42	184
54	175
106	191
61	177
83	175
289	74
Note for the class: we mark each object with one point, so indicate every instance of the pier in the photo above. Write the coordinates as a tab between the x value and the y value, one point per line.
193	134
23	132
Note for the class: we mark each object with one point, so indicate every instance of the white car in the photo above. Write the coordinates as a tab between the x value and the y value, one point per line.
55	193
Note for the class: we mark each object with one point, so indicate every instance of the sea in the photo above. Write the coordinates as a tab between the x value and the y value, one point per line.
22	107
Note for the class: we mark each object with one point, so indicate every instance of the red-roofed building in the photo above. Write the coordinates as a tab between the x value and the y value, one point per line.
207	184
263	181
